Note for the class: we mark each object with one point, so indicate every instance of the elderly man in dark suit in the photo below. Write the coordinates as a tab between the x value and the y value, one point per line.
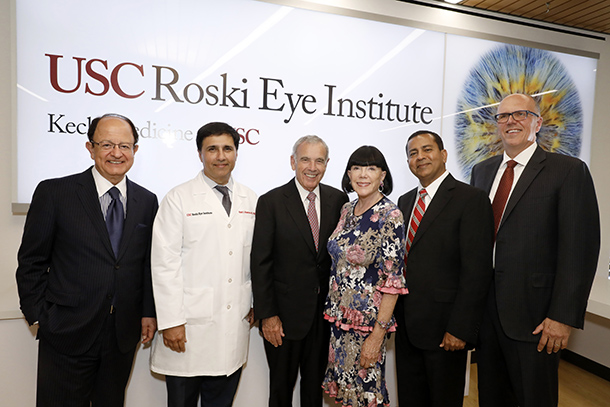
547	247
290	272
448	271
84	273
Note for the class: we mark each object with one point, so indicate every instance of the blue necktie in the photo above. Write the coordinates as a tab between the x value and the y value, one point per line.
114	219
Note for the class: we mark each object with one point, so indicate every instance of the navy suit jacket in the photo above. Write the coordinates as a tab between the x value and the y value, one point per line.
547	245
289	278
449	265
68	275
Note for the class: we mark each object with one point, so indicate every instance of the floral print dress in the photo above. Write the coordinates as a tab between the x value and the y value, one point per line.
368	261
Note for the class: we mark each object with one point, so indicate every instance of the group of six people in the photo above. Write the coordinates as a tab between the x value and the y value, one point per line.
504	265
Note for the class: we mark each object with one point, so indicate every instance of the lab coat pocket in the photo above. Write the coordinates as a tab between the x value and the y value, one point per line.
198	305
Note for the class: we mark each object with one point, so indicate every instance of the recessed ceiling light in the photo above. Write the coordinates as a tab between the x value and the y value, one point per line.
453	1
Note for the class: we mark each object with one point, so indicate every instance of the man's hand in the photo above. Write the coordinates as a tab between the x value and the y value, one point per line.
451	343
175	338
554	336
273	331
149	327
250	317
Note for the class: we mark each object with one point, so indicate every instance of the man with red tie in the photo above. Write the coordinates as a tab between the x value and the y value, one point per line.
448	271
546	252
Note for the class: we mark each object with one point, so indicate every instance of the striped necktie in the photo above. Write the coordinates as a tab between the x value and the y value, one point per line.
418	214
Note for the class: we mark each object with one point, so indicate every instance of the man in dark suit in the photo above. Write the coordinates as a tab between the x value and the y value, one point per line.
448	272
84	273
290	272
547	247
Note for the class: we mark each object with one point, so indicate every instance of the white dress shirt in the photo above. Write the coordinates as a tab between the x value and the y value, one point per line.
522	159
303	193
103	185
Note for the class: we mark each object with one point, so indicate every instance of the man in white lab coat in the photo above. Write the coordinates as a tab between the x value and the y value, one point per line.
201	277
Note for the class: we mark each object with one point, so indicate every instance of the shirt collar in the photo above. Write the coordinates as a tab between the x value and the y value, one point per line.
433	187
103	185
303	192
211	183
523	157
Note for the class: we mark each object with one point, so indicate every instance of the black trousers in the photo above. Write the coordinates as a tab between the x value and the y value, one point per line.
215	391
513	373
309	356
428	378
98	377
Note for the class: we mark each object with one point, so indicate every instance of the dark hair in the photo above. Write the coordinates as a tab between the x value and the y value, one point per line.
216	129
366	156
437	139
96	121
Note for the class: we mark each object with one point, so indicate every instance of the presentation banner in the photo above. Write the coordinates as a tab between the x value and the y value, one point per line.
275	73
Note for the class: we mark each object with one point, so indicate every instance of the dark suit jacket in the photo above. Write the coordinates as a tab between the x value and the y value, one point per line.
287	273
449	266
68	274
547	244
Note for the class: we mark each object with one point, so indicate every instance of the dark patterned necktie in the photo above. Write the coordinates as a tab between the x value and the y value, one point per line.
312	216
226	200
115	217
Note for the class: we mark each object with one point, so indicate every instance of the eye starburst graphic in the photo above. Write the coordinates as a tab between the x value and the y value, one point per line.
511	69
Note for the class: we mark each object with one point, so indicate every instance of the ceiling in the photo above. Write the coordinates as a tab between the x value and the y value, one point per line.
592	15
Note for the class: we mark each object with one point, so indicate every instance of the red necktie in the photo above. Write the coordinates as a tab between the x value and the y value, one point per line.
418	214
506	183
312	216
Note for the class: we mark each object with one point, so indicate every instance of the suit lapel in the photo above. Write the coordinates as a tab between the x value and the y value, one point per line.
326	226
238	200
211	200
297	212
130	217
531	170
410	203
89	198
442	196
487	177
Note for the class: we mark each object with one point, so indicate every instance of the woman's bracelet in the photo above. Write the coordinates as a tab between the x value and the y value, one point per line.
384	325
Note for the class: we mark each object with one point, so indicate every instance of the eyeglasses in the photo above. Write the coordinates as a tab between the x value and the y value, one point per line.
107	146
518	115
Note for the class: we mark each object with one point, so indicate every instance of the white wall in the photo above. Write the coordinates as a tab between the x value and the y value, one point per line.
17	344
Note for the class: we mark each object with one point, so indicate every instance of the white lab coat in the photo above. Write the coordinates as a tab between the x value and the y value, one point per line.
201	278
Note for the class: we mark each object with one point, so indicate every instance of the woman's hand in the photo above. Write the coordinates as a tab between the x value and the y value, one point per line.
371	348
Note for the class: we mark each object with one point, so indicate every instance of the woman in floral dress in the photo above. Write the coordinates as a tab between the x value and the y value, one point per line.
367	249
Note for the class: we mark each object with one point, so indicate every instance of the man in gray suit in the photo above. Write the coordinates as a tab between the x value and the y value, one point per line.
546	252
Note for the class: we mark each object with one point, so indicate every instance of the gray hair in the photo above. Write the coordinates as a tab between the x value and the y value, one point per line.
310	140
